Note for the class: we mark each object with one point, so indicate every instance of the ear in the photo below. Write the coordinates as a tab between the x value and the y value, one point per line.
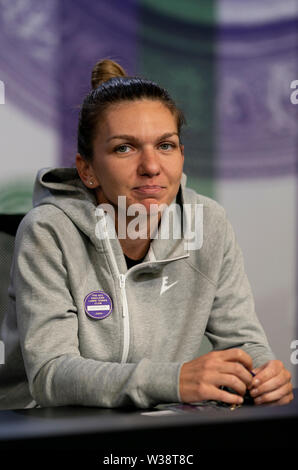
182	151
86	172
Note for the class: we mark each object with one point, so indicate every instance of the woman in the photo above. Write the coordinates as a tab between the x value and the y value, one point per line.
109	320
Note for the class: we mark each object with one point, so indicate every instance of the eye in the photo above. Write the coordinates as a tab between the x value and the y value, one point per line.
167	146
122	148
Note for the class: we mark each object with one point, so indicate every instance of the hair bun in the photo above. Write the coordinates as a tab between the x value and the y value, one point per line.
104	70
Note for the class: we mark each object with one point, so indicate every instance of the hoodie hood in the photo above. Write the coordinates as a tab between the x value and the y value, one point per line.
63	188
56	184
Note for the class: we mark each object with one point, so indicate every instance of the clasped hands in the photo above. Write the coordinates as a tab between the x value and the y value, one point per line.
201	379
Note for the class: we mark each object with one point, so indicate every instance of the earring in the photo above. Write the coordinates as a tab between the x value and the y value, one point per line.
90	182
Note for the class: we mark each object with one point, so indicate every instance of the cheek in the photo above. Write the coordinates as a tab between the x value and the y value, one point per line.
115	174
175	170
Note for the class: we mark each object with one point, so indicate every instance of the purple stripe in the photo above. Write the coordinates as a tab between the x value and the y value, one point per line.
255	172
258	31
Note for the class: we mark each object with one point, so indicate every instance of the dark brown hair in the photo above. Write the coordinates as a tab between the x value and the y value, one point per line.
111	85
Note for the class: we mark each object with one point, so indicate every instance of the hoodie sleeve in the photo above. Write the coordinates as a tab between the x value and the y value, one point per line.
233	321
48	328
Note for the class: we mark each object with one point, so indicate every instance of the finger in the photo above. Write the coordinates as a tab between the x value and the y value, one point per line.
256	370
224	396
237	369
286	399
269	370
231	381
283	401
271	384
238	355
275	395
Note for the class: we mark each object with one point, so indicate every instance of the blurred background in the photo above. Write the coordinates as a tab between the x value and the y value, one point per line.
229	65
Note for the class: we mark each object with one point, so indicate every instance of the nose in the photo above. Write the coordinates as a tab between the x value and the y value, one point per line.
149	164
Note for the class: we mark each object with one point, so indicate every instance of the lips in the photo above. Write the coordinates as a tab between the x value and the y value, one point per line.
149	189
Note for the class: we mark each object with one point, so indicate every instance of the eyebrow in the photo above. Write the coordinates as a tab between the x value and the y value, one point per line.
133	138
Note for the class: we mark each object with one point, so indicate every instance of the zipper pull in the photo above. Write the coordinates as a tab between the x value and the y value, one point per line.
122	281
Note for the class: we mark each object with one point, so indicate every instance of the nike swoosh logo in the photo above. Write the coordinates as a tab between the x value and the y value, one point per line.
165	286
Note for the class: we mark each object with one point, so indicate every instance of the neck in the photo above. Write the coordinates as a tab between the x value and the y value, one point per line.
135	249
137	246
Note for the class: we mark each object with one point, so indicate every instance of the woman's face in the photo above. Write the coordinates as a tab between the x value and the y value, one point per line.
137	154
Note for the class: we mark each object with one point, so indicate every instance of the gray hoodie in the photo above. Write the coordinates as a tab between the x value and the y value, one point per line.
88	331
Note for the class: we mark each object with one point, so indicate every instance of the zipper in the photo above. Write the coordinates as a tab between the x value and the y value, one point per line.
125	314
155	261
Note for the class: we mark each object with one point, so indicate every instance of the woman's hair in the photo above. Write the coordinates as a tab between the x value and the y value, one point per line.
111	85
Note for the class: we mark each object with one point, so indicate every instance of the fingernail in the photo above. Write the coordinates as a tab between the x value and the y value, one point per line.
254	392
258	400
255	382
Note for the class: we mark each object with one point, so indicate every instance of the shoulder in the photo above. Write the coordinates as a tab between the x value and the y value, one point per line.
213	211
42	220
217	230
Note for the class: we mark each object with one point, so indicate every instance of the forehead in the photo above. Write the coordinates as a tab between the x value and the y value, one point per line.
138	117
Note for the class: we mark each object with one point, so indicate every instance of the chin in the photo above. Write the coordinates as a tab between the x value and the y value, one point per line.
156	207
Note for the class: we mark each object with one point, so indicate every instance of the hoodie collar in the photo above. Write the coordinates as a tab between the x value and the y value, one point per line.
63	188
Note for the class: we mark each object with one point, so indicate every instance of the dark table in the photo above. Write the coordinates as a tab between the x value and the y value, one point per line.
102	433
